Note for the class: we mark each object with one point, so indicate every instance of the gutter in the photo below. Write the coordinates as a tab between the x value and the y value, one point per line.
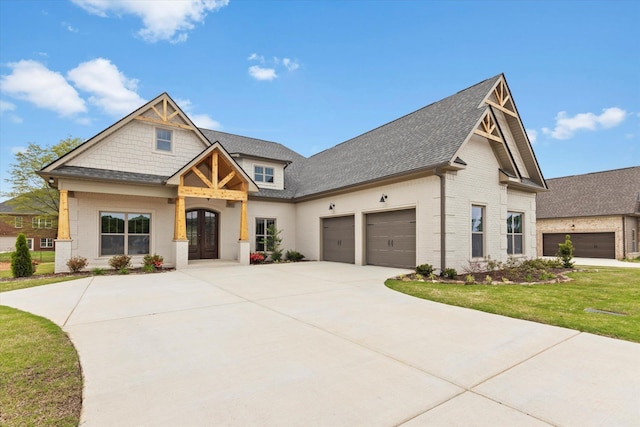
443	220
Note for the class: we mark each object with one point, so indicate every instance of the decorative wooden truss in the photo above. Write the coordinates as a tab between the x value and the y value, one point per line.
164	114
488	128
501	99
212	177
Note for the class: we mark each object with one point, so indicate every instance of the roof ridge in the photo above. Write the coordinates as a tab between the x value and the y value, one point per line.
594	173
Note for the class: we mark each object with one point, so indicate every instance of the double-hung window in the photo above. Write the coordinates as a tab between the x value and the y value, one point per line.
263	174
514	233
262	231
18	222
477	231
164	140
124	233
41	222
46	242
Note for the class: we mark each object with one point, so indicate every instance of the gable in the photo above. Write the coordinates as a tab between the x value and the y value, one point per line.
129	145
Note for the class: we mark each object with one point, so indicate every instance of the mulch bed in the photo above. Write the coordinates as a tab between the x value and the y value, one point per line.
499	277
80	274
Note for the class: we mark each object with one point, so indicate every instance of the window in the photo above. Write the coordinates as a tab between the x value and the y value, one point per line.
18	222
263	174
124	233
46	243
262	230
41	222
163	140
477	231
30	243
514	233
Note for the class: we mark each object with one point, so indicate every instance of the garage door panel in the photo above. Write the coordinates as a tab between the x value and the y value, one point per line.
338	239
391	238
586	245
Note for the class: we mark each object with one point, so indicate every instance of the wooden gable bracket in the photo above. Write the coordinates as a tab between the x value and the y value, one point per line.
214	188
504	102
488	128
164	118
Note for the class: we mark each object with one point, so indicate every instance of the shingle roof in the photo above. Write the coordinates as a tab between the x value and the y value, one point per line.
109	175
613	192
236	144
425	138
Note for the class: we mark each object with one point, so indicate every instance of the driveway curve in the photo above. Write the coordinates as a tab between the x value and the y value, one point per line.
323	344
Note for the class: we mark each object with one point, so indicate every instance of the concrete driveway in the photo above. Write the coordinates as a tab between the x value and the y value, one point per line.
323	344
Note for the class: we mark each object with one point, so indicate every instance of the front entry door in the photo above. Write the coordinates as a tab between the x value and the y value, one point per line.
202	233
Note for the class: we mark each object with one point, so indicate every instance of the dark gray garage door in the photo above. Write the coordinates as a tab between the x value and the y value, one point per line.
391	238
339	239
587	245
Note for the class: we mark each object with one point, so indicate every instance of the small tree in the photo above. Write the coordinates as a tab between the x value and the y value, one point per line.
565	252
272	242
21	265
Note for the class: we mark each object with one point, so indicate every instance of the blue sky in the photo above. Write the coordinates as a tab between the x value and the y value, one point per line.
311	74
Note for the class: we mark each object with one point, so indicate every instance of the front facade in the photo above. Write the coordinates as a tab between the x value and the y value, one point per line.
600	211
40	230
452	182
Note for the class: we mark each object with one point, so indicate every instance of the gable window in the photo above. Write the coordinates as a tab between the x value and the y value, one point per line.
46	243
477	231
124	233
262	231
164	140
514	233
18	222
41	222
263	174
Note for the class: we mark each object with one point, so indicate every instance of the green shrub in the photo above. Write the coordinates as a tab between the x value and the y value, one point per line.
294	256
123	270
152	262
276	255
565	252
424	269
469	280
118	262
97	271
76	263
21	265
450	273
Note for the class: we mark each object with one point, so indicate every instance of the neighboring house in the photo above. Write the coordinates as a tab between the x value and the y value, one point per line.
601	212
40	230
451	182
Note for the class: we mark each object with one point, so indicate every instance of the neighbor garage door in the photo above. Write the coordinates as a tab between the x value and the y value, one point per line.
587	245
391	238
339	239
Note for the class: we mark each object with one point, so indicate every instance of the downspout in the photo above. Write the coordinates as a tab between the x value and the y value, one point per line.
624	237
443	221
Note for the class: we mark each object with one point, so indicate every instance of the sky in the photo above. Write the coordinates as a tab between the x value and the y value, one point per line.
312	74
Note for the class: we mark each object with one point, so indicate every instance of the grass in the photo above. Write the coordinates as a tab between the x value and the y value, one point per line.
40	375
41	256
12	285
561	304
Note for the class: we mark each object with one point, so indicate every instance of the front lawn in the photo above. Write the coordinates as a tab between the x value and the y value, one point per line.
40	375
562	304
40	256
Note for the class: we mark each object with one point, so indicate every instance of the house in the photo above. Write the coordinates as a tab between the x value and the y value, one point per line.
451	182
600	211
40	230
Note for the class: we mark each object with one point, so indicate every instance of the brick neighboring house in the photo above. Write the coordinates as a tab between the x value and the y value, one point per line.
601	212
39	229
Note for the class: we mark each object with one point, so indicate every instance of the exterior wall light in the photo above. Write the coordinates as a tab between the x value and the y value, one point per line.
331	206
383	198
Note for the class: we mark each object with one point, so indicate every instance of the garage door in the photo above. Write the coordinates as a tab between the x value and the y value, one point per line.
587	245
391	238
339	239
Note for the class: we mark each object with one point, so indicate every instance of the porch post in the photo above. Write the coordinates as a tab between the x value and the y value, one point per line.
180	242
63	216
243	242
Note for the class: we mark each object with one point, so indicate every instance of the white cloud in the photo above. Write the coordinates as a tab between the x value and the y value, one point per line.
567	126
256	57
200	120
162	19
290	64
69	27
6	106
18	149
260	73
31	81
532	134
109	88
